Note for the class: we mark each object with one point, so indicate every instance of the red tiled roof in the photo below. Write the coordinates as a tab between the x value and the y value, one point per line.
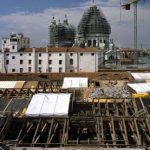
60	49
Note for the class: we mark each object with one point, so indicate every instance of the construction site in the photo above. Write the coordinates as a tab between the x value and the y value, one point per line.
104	109
93	110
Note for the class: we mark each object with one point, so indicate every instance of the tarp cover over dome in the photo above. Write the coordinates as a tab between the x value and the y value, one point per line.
94	22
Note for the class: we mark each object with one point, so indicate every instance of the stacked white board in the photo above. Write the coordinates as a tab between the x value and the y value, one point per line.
75	83
140	87
47	105
141	76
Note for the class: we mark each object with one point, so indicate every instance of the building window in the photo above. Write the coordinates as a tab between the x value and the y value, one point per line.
94	43
60	62
89	43
29	54
111	57
13	47
40	69
7	54
50	62
21	70
13	57
71	54
71	70
13	70
29	62
50	69
40	61
50	54
29	69
92	54
4	41
7	62
81	54
21	54
21	61
71	61
60	69
60	54
40	54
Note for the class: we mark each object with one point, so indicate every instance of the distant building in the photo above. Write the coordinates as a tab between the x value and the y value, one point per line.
15	42
61	34
127	56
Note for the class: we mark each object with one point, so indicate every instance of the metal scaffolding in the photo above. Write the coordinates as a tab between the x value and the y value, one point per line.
93	22
61	34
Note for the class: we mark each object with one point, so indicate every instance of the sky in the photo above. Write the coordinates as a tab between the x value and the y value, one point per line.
32	17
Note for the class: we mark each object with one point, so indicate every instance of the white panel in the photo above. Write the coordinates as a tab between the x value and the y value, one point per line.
145	86
140	87
35	105
9	84
141	76
62	105
135	76
75	83
83	82
145	76
45	105
66	83
48	106
136	88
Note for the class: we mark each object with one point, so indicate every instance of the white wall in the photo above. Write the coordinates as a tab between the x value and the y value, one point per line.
55	57
15	63
74	67
88	62
85	63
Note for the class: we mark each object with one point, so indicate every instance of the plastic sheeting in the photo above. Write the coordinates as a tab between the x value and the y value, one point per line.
140	87
46	105
75	83
11	84
141	76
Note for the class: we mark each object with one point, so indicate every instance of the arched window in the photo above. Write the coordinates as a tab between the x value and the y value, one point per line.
71	61
126	55
111	57
89	43
94	43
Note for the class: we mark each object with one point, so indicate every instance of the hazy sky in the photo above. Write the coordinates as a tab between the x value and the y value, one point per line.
32	17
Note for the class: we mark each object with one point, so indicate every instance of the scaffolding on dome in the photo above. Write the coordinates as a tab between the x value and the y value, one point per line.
94	22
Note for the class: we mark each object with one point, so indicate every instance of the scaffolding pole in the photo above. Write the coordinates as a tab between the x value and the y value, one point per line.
135	32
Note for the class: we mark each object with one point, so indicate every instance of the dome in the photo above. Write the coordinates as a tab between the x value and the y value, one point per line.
94	22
